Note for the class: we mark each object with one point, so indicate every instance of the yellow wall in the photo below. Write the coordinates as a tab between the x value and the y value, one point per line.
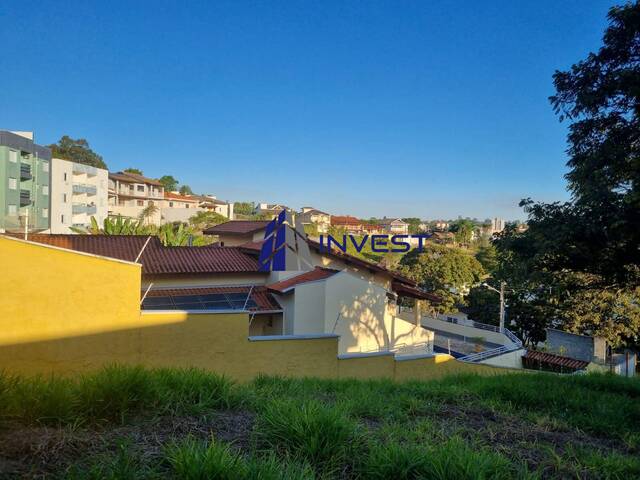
65	312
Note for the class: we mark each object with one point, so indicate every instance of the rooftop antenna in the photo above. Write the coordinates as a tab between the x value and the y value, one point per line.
142	250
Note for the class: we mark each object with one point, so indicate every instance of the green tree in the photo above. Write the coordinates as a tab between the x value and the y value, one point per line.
463	231
244	208
137	171
186	190
147	212
414	224
483	305
448	272
169	183
487	256
205	219
78	151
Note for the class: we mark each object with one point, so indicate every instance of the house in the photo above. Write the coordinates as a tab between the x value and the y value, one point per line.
347	223
270	210
395	226
78	192
212	204
373	229
312	216
25	176
238	232
130	194
178	208
441	225
341	294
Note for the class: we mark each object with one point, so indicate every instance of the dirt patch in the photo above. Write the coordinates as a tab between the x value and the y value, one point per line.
517	438
34	452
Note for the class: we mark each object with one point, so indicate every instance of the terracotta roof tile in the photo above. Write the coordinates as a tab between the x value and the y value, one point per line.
311	276
553	359
237	226
156	258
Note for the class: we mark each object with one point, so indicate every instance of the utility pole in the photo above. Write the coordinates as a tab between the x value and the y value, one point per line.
502	285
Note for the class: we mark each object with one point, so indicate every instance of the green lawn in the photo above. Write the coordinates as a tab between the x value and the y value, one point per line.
130	422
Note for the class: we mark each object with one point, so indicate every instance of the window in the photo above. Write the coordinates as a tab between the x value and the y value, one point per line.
45	213
141	203
13	156
13	183
186	205
64	198
45	189
64	176
141	188
13	210
171	204
45	166
62	219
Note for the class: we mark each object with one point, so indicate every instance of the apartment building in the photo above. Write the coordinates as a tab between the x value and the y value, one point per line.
25	172
130	193
78	192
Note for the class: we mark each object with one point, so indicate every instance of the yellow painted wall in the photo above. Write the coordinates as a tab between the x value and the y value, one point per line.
66	312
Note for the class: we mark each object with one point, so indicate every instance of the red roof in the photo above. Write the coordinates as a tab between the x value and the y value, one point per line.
345	220
405	290
156	258
264	300
553	359
182	198
237	226
316	274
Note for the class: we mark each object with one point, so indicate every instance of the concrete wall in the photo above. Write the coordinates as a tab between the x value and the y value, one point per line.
580	347
466	331
507	360
67	312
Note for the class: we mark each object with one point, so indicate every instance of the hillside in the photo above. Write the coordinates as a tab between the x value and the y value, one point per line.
130	422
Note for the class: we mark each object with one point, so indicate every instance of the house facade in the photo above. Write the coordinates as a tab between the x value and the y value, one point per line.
25	174
78	192
395	226
347	223
312	216
130	194
270	210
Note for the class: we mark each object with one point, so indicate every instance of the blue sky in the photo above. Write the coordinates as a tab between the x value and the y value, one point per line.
428	108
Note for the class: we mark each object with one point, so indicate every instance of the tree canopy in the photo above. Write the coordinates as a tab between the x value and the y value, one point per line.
137	171
185	190
78	151
169	183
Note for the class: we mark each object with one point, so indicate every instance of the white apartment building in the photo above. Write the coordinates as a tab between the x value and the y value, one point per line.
78	192
497	225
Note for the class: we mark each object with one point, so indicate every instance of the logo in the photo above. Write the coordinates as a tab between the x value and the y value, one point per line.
285	246
379	243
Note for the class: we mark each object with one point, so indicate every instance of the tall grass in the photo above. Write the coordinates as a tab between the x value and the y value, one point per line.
113	394
312	432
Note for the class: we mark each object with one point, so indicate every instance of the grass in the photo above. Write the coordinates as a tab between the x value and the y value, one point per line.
131	422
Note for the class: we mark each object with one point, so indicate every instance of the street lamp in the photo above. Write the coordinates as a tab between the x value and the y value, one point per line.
501	292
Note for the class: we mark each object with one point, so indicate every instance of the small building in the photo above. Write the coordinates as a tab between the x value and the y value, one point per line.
238	232
312	216
271	210
78	192
25	179
394	226
347	223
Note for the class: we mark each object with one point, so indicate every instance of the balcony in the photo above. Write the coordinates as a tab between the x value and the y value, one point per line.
77	208
25	198
25	172
82	188
91	209
79	169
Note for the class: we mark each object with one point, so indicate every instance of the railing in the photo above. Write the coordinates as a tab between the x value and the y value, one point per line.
82	188
91	209
79	168
470	323
511	336
477	357
78	208
25	172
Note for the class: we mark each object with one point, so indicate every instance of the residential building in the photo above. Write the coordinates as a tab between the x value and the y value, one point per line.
373	229
271	210
497	225
347	223
78	192
25	174
312	216
130	194
178	208
212	203
395	226
238	232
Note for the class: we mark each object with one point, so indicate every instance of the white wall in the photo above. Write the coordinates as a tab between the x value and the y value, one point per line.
507	360
62	216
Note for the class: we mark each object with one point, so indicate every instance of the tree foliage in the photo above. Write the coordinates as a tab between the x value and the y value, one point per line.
78	151
185	190
137	171
463	231
169	183
445	271
206	219
244	208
